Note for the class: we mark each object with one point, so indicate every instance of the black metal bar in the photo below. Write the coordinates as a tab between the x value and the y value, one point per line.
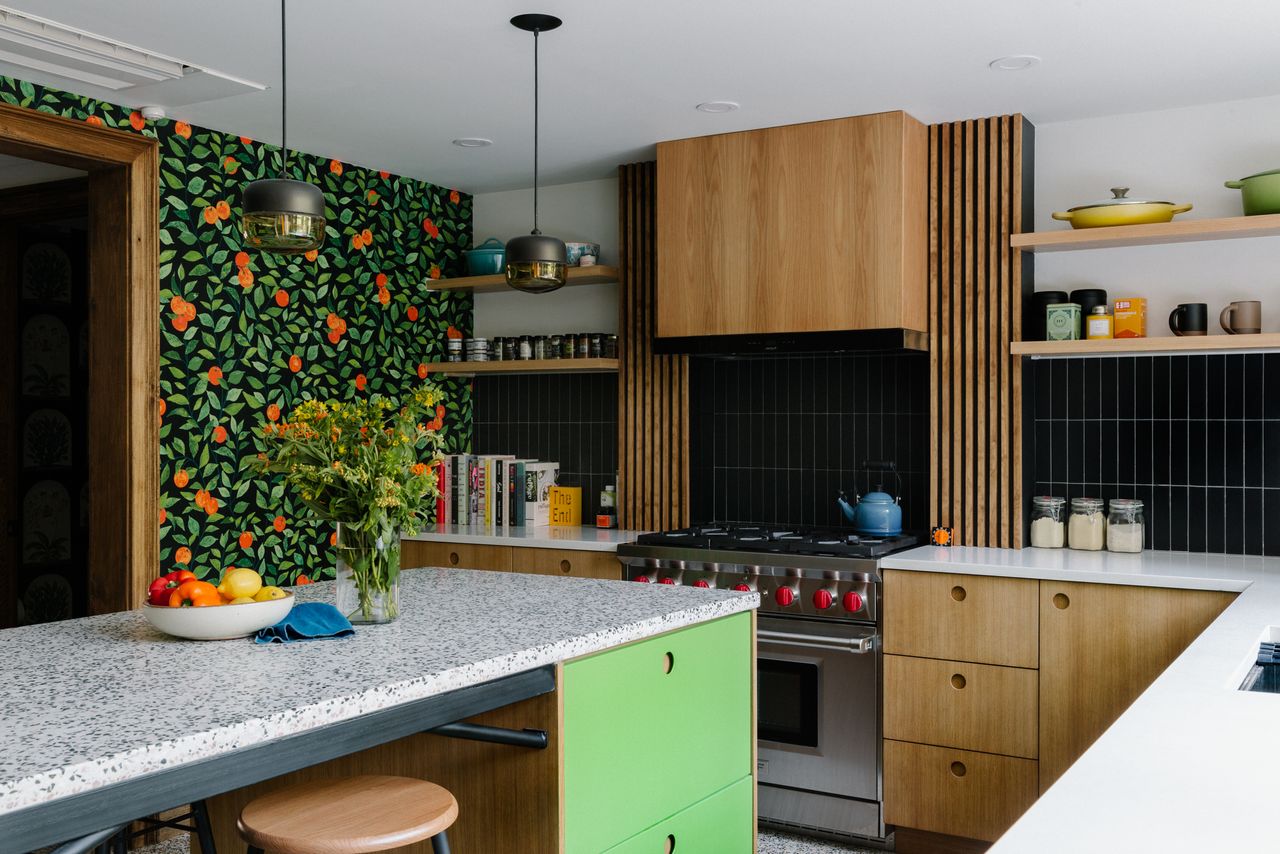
85	843
109	806
440	843
535	739
203	828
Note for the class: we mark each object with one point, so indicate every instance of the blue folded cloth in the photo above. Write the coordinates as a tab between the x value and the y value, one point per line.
307	621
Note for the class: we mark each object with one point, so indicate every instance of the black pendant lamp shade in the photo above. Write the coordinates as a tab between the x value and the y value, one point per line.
536	263
279	214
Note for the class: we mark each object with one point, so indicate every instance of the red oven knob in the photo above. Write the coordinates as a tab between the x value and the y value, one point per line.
852	601
822	599
784	596
742	588
666	581
643	579
701	583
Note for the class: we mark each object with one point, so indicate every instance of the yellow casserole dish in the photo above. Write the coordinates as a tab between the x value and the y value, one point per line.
1120	210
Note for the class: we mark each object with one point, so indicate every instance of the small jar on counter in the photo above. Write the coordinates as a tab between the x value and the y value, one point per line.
1048	522
582	347
510	348
1126	527
1087	526
1099	325
539	346
595	345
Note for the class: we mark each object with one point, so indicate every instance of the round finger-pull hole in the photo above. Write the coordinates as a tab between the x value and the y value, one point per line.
958	769
565	566
958	593
668	662
958	681
671	843
453	558
1061	601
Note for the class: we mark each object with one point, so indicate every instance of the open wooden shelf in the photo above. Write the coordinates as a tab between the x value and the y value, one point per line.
528	366
1178	231
597	274
1149	346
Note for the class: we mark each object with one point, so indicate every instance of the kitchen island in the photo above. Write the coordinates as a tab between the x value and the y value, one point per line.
107	720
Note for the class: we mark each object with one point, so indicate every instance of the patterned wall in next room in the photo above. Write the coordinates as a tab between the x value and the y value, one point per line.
1196	438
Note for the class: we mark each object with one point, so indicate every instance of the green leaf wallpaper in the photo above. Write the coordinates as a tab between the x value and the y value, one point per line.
245	335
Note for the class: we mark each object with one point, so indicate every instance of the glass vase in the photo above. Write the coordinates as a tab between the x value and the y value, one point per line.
368	572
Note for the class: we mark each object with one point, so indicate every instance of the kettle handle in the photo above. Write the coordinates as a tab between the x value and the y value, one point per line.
883	465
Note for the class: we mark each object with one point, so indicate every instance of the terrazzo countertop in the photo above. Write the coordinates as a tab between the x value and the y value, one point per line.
1190	766
583	538
100	700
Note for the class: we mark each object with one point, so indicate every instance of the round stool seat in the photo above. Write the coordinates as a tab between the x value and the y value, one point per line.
347	815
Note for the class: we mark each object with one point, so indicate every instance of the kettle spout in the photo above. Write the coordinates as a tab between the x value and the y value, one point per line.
845	507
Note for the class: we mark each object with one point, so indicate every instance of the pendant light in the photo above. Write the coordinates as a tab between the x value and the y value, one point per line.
282	215
536	263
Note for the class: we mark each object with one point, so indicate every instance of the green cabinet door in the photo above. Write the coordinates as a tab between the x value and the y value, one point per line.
720	824
654	727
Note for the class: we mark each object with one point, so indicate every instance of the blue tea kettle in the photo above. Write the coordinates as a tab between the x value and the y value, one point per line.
877	513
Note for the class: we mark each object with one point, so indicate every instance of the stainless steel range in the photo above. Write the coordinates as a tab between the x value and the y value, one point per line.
818	660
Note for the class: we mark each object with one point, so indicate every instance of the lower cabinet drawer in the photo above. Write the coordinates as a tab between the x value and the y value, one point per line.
958	792
415	553
572	563
959	704
653	727
720	824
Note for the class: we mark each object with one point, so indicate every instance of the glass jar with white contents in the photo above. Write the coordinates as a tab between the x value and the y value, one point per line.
1087	526
1126	527
1048	522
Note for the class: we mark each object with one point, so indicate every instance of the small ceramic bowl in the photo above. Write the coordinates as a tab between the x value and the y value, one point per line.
218	622
575	251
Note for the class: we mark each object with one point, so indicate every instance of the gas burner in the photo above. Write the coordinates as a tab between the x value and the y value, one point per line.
772	540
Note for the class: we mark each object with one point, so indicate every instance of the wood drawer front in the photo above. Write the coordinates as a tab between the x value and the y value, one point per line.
962	617
414	553
961	704
720	823
571	563
653	727
957	792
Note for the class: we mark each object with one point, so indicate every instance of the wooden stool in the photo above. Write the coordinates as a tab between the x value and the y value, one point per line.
349	815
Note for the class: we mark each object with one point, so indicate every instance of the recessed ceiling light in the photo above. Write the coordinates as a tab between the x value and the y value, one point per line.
1016	62
717	106
472	142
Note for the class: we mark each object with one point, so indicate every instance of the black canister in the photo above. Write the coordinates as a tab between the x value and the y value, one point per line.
1040	300
1089	298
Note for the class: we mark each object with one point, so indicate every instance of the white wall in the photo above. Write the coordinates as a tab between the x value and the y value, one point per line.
585	212
1179	155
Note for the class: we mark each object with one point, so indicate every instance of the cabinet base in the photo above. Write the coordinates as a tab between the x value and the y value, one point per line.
908	840
808	812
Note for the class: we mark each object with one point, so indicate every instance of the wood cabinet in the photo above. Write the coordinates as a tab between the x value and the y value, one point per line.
961	617
1101	645
415	553
805	228
572	563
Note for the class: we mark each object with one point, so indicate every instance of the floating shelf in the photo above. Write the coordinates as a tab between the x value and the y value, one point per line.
528	366
1178	231
1149	346
597	274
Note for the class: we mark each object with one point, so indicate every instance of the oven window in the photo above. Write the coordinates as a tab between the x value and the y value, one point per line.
787	702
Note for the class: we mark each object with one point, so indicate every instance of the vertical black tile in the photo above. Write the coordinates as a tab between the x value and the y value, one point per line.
1040	386
1142	454
1253	385
1270	462
1160	451
1160	387
1178	454
1235	391
1271	376
1178	387
1215	528
1094	449
1233	521
1108	387
1158	508
1093	388
1197	519
1251	460
1215	385
1126	383
1197	444
1043	450
1252	521
1142	387
1127	452
1176	523
1270	522
1075	455
1057	389
1197	377
1076	387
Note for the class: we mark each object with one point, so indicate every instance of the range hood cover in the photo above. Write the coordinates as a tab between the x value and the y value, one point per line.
788	343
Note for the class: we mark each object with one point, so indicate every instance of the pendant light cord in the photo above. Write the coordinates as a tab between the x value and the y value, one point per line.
284	99
535	132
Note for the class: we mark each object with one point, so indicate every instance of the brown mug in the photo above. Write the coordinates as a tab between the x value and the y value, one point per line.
1242	317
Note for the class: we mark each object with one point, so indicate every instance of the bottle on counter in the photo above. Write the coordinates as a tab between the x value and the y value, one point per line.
1087	526
608	515
1126	527
1048	522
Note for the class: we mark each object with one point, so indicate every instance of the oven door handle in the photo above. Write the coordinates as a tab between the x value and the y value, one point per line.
853	645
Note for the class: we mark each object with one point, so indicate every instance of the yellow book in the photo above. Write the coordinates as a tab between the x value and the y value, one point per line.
566	505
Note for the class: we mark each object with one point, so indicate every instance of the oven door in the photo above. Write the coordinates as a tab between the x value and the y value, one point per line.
817	686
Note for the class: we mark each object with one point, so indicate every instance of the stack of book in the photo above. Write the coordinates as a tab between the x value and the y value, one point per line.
495	490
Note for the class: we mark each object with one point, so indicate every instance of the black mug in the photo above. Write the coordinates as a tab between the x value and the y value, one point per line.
1190	318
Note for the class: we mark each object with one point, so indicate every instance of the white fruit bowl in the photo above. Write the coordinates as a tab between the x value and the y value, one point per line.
218	622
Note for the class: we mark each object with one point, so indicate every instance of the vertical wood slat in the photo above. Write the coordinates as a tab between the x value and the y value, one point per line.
975	182
653	390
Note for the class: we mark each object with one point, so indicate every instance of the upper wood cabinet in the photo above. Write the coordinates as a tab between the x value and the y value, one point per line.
805	228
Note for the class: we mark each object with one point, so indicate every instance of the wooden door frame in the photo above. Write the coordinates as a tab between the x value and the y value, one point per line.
124	341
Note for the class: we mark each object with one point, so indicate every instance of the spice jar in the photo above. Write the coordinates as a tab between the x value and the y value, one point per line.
1126	527
496	349
526	348
611	347
582	349
1048	522
568	344
1087	527
510	347
555	345
540	347
453	349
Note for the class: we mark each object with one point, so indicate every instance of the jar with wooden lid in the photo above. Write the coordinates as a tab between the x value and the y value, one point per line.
1087	526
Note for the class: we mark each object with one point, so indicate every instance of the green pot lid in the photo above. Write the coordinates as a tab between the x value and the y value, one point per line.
1260	174
1119	197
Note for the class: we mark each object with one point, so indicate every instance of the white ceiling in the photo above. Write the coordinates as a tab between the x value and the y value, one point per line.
388	83
16	172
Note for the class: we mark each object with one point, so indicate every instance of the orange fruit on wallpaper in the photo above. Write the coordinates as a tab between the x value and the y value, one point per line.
182	555
163	406
230	164
136	121
357	242
246	540
215	375
246	277
278	523
211	506
422	371
182	129
331	320
282	298
180	478
455	196
430	228
202	498
452	332
361	381
335	166
180	324
367	237
434	272
210	215
384	296
273	413
380	280
372	196
295	363
334	336
384	174
302	579
312	254
94	120
242	259
163	516
342	327
219	434
412	313
244	140
223	209
333	538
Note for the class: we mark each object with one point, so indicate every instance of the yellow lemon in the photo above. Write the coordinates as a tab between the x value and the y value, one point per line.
269	593
239	583
242	600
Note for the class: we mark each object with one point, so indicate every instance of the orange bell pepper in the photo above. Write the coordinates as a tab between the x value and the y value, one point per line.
193	593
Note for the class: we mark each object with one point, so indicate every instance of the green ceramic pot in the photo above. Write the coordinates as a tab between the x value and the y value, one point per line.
1260	193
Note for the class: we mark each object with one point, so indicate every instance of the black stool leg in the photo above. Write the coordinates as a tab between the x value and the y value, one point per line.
440	843
204	830
253	849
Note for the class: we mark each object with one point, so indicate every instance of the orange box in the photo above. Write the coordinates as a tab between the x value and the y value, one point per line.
1130	318
566	505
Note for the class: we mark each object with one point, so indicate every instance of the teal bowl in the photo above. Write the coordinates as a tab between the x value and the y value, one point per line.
487	259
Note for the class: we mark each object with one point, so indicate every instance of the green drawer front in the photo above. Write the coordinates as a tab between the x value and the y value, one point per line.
641	744
721	824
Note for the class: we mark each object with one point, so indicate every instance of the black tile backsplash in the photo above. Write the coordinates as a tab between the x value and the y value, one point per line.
775	438
571	419
1197	438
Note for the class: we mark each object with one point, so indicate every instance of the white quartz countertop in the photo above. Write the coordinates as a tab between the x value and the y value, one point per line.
573	538
94	701
1191	765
